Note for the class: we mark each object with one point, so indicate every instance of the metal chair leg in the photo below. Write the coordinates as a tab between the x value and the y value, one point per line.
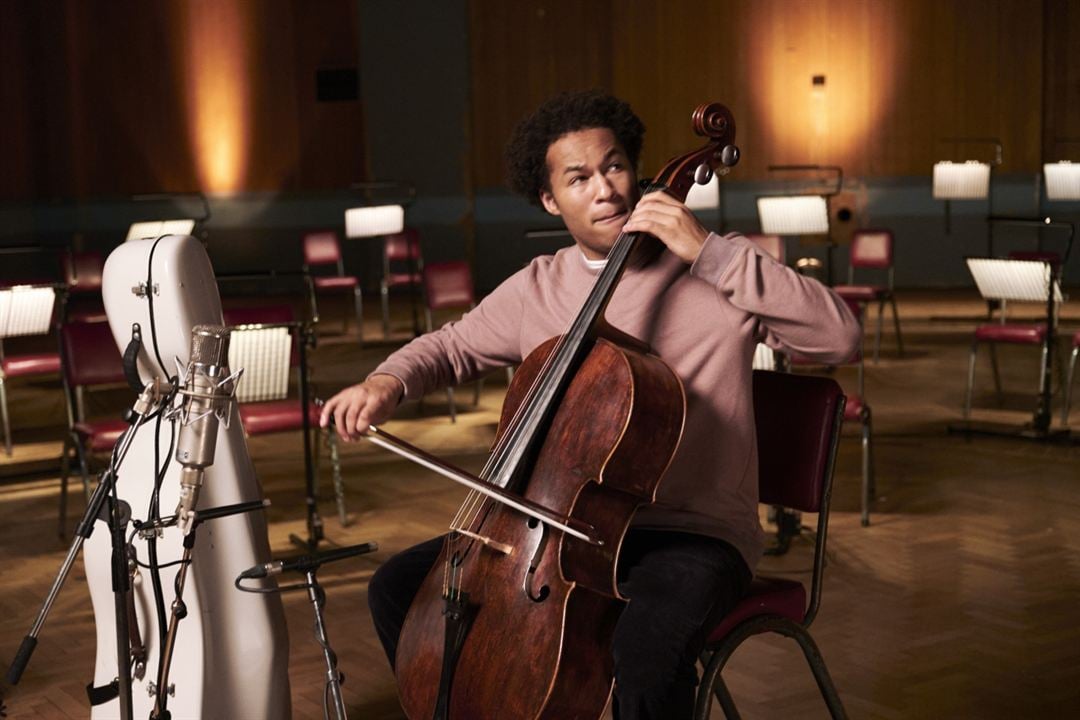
1042	369
84	465
970	380
867	470
727	703
997	374
358	300
450	400
6	419
896	322
335	469
877	335
65	471
385	292
821	675
1068	386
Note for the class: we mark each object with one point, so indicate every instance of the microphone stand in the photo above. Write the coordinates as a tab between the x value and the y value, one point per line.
310	567
179	607
117	517
305	337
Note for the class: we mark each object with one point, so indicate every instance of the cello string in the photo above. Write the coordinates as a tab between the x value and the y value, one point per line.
473	505
619	252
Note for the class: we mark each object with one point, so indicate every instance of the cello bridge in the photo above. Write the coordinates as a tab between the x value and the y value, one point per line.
487	541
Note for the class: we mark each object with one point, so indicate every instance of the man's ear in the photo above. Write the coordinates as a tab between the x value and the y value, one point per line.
549	202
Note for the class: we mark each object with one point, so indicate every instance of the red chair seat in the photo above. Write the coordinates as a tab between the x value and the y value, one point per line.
38	364
1012	333
766	596
861	293
100	435
1076	339
335	282
854	408
276	416
89	315
398	279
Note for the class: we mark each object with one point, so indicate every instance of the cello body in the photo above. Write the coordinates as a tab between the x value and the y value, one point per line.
607	446
231	656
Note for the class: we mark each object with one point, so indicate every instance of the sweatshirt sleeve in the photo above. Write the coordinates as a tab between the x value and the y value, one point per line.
485	338
794	312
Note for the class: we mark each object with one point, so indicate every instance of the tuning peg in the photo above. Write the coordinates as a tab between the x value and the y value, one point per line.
703	174
729	156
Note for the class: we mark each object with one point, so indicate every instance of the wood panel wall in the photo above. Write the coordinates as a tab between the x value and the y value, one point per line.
900	76
133	96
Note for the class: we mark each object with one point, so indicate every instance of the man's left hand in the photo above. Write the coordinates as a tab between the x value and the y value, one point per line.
670	221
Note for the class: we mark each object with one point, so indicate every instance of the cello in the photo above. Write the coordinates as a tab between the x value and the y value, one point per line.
516	617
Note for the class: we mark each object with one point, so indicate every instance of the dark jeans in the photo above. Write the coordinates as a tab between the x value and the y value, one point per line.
676	583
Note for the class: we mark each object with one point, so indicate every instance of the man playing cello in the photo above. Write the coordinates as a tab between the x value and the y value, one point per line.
702	304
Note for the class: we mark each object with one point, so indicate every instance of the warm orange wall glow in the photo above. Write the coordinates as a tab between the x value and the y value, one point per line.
853	46
217	72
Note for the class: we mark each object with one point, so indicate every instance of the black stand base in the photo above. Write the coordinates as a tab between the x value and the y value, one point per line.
1023	432
788	526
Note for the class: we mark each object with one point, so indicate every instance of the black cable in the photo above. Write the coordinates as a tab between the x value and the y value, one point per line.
153	515
150	305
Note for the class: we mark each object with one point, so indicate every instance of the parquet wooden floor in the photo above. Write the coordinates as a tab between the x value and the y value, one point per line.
961	600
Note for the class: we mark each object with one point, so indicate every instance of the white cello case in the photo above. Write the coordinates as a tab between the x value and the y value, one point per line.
231	655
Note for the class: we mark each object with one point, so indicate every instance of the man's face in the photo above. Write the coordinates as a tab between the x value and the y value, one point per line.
593	188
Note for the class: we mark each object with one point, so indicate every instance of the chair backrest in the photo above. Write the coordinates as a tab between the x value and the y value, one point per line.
89	355
322	248
872	249
448	285
772	244
798	420
402	246
82	271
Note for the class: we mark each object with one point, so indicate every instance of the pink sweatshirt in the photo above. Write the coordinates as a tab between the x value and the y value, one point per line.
704	320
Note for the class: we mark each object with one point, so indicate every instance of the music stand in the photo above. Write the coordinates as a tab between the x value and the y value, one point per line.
969	180
805	213
157	228
24	310
1001	280
377	221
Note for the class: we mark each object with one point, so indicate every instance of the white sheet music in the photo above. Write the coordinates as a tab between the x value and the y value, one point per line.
264	354
26	310
1021	280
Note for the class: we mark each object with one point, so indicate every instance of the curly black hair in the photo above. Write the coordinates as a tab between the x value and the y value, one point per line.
526	152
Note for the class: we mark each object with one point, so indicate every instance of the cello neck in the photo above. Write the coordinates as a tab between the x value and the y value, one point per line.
523	436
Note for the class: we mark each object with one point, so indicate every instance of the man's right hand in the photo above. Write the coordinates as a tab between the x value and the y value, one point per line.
356	408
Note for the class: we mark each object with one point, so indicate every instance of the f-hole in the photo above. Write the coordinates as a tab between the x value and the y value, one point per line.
527	582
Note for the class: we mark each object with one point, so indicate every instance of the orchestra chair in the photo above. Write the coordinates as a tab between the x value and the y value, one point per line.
82	276
1069	378
90	360
798	420
873	249
1005	333
324	249
403	266
24	311
856	409
264	342
772	244
449	286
